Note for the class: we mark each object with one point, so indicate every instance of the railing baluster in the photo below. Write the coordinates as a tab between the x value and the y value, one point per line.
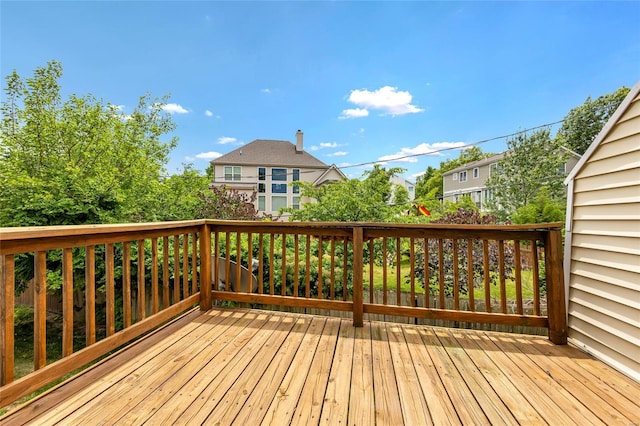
166	302
67	302
427	290
556	308
332	291
155	296
456	276
371	265
398	273
412	271
307	278
142	297
205	267
272	270
357	277
487	275
176	269
518	271
40	311
7	344
344	269
126	284
470	283
535	275
441	272
90	295
503	285
260	263
320	274
283	275
250	259
296	266
238	284
185	266
110	289
216	264
194	263
384	270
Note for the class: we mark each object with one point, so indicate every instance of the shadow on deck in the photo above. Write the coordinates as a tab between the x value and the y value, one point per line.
228	366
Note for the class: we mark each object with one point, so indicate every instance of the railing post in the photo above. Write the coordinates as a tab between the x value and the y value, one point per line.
357	277
556	307
6	319
205	267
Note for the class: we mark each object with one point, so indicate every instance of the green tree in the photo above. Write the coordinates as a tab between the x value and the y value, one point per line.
80	160
353	200
541	210
583	123
533	161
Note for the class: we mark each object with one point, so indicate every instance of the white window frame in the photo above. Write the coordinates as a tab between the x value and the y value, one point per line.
235	173
476	173
455	176
463	176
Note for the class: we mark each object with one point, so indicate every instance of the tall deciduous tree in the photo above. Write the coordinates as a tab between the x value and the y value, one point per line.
79	160
583	123
532	162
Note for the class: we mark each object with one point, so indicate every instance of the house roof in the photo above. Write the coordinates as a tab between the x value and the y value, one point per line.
265	152
323	177
633	93
477	163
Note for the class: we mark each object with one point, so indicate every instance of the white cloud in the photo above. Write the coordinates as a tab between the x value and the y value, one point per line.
208	113
226	139
409	155
353	113
189	158
328	144
338	154
174	109
211	155
386	99
267	91
314	148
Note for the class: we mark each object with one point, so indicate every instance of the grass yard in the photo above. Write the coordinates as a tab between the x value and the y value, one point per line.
405	286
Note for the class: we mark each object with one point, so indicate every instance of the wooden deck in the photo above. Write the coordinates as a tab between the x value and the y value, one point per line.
259	367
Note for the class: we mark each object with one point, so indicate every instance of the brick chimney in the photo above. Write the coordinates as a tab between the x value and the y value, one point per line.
299	147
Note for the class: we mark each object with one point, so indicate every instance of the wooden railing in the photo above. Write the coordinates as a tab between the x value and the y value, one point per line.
153	272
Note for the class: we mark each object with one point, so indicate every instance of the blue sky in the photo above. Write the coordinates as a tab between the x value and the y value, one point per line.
365	81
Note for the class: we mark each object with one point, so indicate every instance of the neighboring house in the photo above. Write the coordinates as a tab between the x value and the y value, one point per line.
410	186
471	179
268	167
602	243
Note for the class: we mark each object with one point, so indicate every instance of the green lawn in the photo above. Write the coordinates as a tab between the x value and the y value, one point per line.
405	286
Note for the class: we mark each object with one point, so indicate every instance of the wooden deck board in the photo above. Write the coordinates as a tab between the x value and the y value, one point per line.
250	367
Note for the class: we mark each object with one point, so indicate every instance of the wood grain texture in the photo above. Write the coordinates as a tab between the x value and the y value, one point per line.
236	366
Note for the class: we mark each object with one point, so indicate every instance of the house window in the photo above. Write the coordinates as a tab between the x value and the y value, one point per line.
279	188
410	189
279	174
278	203
262	201
296	178
296	203
494	168
476	173
463	176
262	173
232	172
262	188
455	176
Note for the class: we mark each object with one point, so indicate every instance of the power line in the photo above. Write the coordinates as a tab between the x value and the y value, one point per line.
476	143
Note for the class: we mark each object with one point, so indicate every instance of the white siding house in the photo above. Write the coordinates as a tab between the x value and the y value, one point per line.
602	246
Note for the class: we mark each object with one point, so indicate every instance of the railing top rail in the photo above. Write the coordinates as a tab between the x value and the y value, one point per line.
381	225
30	232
